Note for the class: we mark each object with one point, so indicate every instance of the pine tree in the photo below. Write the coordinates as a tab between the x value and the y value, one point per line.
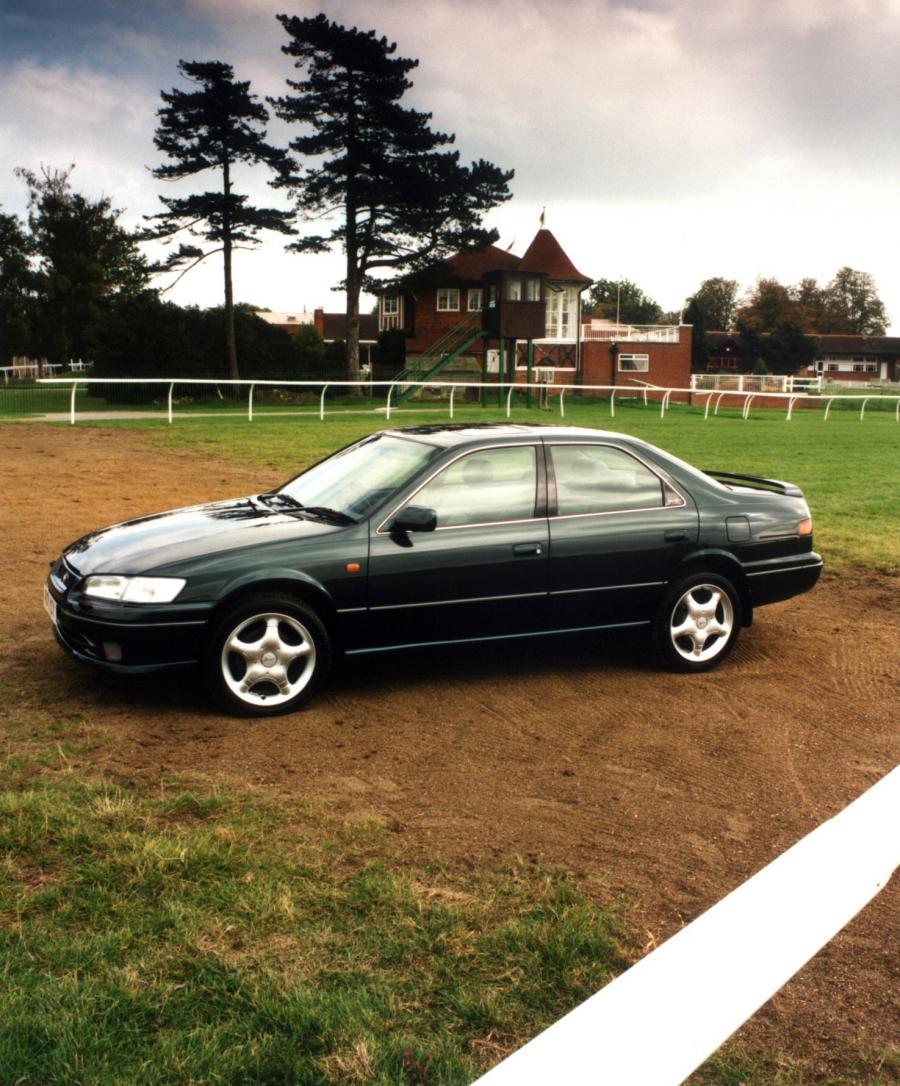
214	128
397	199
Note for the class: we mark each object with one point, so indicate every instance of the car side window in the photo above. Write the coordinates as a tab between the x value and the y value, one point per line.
602	479
484	487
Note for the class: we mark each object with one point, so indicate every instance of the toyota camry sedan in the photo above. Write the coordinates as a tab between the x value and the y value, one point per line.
435	535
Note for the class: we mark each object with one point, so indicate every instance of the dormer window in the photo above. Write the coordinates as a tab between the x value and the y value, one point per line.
448	300
514	289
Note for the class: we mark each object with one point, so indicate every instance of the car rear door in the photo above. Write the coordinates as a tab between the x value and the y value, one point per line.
483	571
618	532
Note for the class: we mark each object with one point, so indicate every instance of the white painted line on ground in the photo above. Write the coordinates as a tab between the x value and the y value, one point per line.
658	1021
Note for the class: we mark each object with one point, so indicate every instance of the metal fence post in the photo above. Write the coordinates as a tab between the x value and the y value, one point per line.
322	403
171	390
250	404
72	404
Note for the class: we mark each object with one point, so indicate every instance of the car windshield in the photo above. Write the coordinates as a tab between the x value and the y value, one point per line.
356	480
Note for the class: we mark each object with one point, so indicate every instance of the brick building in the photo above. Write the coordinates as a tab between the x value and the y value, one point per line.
490	312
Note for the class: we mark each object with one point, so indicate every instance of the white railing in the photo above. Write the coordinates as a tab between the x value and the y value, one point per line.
22	370
752	382
498	388
631	333
657	1022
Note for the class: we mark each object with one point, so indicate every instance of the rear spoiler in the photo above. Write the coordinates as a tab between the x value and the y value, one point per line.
755	482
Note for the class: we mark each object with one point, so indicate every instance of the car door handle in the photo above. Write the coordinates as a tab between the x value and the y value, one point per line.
675	535
528	548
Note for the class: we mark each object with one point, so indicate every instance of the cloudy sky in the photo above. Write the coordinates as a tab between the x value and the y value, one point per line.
669	141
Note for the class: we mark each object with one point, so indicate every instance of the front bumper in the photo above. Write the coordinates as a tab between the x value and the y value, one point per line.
125	638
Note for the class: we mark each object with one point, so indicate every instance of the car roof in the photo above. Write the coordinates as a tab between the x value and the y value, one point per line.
452	434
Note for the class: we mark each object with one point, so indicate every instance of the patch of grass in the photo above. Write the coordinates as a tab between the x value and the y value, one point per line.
849	470
187	934
734	1066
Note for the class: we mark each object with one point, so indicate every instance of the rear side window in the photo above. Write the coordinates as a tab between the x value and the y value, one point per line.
602	479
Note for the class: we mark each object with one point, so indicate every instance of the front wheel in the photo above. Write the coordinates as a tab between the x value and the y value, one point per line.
268	655
698	622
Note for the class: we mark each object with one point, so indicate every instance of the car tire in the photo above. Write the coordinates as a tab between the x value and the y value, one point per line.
267	655
698	622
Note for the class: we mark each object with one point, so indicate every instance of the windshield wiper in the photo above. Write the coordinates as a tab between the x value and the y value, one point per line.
334	515
279	496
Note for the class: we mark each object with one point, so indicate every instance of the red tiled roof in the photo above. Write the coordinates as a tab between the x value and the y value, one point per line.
473	263
545	254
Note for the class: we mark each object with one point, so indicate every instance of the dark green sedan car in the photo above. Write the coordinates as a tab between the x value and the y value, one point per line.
432	536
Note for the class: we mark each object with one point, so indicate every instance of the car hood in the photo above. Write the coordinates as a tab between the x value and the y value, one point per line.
168	539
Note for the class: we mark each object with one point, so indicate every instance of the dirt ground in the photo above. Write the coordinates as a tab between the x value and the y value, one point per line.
668	789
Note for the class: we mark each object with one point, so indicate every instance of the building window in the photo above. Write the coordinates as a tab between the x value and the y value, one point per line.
448	300
533	290
475	300
833	367
391	312
871	367
561	304
514	290
634	363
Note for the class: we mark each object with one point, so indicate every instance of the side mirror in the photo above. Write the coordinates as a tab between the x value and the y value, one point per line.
414	518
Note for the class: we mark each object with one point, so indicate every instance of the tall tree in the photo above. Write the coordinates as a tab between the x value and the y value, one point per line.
810	302
84	257
852	305
214	127
716	299
15	287
622	300
767	306
396	199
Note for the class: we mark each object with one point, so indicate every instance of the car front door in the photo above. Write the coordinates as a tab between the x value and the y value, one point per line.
482	572
618	531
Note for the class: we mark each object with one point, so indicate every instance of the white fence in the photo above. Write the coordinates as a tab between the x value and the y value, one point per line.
657	1022
644	391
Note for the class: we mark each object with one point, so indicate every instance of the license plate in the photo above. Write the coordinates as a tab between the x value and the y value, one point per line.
50	605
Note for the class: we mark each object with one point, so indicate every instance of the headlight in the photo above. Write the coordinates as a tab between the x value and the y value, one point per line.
134	589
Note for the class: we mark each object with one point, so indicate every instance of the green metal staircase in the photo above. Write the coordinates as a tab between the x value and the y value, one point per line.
438	356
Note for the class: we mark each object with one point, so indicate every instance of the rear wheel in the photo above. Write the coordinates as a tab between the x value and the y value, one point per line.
268	655
698	622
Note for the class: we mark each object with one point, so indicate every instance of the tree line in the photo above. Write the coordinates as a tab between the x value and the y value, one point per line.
776	326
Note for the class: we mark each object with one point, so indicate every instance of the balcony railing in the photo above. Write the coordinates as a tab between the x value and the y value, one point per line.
630	333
